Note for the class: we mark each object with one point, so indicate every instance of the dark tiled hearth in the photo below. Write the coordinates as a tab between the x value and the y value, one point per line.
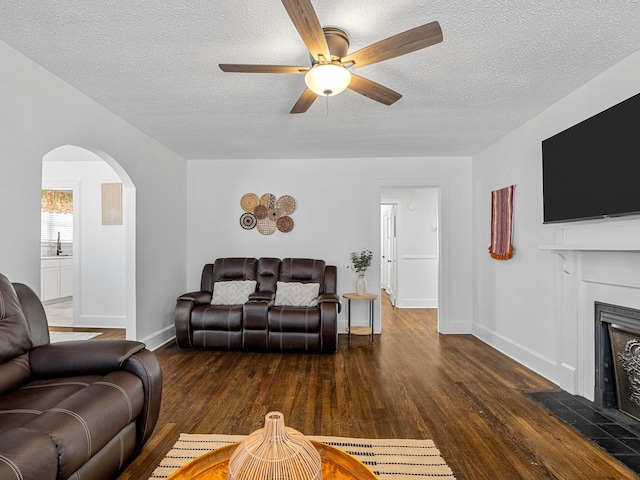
613	431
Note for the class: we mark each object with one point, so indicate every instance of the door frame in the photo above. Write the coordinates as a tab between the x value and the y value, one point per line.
442	185
74	186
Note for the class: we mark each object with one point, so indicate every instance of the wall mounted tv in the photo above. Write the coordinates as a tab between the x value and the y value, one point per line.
592	170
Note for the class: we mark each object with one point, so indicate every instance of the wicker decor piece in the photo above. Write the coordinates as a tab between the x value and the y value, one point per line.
286	204
275	452
266	226
267	213
261	212
274	214
249	201
268	200
248	221
285	224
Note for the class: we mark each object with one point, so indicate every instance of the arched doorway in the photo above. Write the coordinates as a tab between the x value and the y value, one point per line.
103	254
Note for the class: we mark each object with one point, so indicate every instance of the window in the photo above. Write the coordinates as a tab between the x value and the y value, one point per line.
52	223
56	216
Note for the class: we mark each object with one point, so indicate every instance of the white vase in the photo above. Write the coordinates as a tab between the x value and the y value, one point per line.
361	285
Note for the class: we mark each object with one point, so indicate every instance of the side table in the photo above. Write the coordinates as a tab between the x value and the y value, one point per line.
354	296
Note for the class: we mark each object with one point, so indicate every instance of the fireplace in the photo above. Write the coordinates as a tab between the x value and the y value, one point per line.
617	358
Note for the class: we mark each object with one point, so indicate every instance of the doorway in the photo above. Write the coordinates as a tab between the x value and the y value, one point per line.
57	225
103	255
410	246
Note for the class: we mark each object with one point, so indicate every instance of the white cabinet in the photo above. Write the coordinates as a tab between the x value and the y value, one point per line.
56	278
66	277
49	280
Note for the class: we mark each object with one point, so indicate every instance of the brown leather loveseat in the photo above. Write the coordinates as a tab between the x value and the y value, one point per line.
261	304
69	410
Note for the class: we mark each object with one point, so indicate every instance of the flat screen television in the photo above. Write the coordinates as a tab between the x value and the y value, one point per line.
592	170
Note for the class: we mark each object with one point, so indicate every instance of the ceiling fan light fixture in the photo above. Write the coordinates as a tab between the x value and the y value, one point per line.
327	79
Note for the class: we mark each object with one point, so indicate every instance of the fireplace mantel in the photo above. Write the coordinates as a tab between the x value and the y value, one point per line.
592	248
568	253
594	264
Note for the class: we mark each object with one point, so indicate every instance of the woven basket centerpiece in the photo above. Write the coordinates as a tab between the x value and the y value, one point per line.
275	452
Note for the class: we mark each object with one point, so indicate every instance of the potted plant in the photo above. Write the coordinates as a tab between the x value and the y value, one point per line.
360	262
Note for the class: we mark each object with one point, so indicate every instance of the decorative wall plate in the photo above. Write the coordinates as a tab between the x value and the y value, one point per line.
274	214
249	201
268	200
284	224
266	226
248	221
286	204
261	212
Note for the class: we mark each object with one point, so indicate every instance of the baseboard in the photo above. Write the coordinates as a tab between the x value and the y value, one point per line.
534	361
57	300
455	328
417	303
569	379
159	338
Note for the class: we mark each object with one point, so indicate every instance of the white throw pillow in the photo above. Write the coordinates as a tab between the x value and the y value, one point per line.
235	292
296	294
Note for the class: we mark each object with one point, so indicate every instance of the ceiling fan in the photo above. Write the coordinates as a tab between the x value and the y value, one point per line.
328	74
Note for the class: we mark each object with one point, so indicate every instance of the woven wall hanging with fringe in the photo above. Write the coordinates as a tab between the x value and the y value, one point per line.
502	223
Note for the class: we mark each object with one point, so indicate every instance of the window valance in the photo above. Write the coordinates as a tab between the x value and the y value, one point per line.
55	201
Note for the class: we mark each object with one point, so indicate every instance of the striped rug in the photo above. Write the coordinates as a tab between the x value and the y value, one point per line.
389	459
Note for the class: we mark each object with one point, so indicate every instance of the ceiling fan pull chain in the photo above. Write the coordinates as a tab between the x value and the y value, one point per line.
327	97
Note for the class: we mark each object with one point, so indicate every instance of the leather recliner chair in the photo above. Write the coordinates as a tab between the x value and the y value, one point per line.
69	410
199	323
300	327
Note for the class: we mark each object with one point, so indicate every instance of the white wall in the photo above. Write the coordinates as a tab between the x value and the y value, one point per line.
338	213
519	302
100	253
39	112
417	245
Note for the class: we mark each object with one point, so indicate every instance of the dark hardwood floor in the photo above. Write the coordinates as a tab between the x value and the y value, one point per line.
412	383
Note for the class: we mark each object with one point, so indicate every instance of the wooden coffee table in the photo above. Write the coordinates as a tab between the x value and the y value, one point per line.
336	465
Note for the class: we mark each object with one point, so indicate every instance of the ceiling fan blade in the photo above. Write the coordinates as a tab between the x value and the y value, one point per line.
239	68
400	44
304	102
306	21
373	90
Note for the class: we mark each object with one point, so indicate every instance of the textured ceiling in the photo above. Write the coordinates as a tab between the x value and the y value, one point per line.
155	64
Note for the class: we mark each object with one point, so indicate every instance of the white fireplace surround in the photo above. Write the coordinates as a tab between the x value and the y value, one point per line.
597	262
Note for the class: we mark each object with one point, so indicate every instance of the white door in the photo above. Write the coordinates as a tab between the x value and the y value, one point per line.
388	249
384	246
